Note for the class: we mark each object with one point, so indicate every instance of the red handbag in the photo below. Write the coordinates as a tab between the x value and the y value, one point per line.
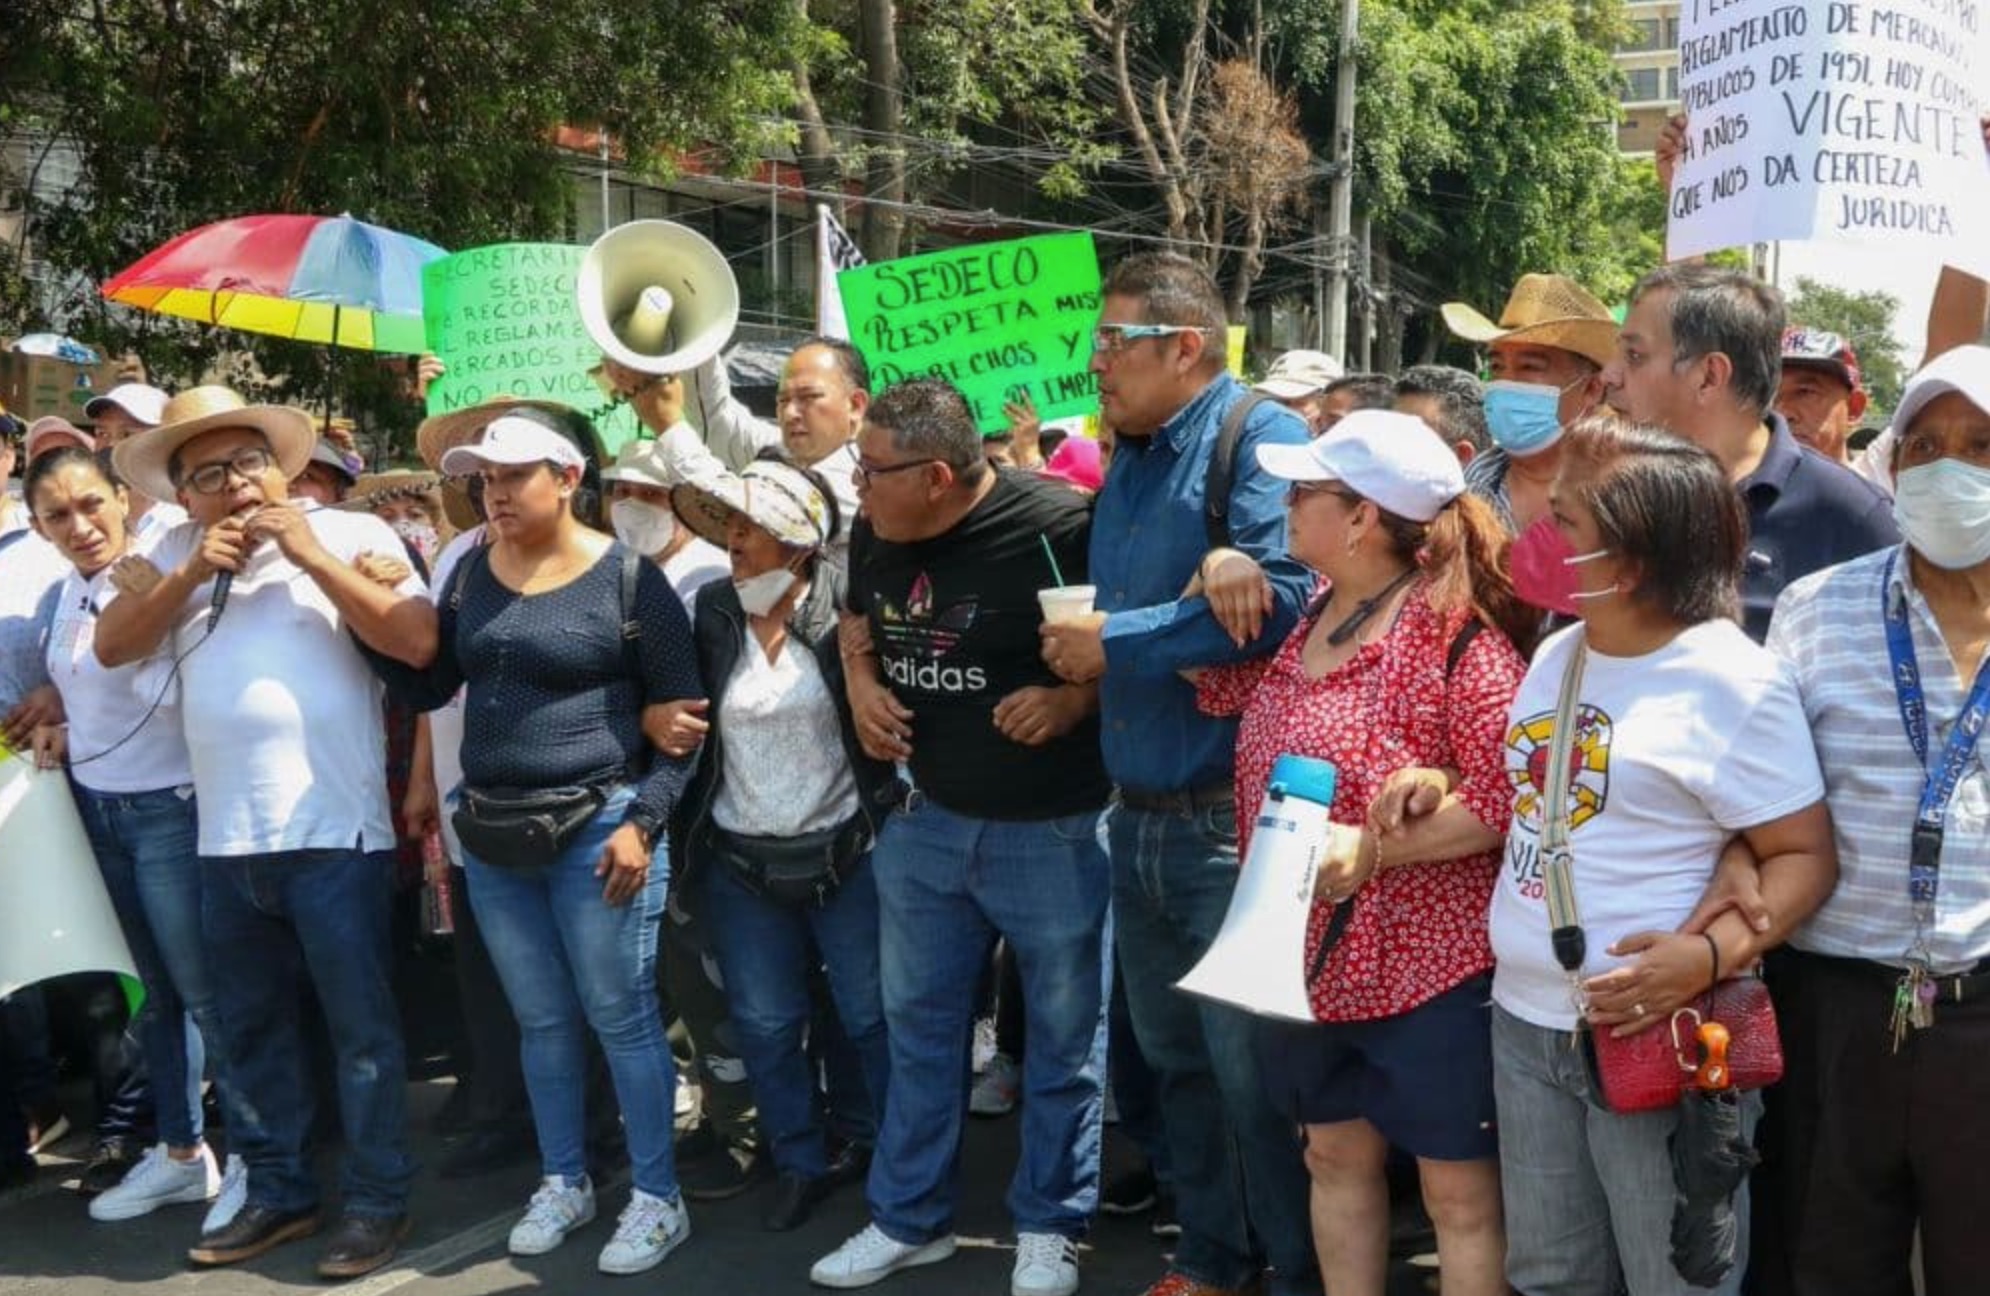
1650	1070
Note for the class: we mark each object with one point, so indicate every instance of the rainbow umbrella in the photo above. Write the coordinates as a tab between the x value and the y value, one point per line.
313	278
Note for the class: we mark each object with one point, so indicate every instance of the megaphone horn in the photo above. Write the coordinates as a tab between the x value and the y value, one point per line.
657	297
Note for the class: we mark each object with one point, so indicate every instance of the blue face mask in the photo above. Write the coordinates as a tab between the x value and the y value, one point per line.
1524	418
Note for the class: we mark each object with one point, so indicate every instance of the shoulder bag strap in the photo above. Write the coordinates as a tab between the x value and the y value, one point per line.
1557	860
1222	474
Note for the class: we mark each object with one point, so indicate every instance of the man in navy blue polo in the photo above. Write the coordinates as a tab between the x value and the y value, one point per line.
1700	354
1241	1189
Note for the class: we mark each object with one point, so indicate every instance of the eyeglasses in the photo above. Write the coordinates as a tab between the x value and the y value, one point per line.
1300	490
1111	339
212	479
863	472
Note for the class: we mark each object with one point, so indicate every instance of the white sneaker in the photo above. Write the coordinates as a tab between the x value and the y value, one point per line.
157	1180
1046	1265
995	1089
233	1196
556	1209
871	1256
650	1229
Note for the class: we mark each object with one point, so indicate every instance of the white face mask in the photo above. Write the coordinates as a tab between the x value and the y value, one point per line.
1943	509
759	594
645	528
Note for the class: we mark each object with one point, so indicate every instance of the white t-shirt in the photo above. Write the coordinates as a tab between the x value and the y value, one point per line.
1678	750
695	565
281	712
119	741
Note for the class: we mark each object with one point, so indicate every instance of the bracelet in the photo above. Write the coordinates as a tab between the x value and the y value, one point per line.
1713	947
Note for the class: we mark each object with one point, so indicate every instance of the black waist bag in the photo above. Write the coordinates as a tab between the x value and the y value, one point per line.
796	871
523	830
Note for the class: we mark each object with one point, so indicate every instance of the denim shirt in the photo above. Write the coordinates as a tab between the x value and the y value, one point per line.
1148	539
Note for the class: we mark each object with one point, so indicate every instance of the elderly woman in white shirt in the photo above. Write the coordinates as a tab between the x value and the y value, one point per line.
779	821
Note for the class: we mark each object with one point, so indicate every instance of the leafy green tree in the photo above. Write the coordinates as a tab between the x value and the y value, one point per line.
435	119
1866	320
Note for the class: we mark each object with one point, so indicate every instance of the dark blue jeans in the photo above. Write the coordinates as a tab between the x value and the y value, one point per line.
1237	1167
767	952
948	885
146	848
271	921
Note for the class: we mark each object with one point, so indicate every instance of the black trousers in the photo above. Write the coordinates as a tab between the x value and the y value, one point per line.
1877	1143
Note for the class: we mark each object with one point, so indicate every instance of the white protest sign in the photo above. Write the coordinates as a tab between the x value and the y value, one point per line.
1851	120
55	916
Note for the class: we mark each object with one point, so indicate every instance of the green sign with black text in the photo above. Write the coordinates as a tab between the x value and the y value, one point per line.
997	320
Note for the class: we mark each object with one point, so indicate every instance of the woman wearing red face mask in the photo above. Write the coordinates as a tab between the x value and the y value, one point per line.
1682	734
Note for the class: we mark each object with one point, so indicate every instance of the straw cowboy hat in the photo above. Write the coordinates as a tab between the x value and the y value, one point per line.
145	460
1548	310
441	433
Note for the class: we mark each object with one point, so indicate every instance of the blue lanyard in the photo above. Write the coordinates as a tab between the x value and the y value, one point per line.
1924	860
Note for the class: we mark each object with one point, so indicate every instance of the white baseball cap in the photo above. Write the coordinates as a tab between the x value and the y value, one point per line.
1965	370
1300	373
1393	459
145	403
511	440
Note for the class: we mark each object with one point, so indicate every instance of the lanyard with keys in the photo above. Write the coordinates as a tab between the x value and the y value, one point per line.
1914	998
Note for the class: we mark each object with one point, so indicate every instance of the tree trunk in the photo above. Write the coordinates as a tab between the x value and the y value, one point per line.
884	119
816	154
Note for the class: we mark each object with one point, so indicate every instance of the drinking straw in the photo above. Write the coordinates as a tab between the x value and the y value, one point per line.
1056	573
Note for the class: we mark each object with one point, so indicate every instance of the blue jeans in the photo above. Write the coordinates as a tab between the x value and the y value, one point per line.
146	846
1588	1192
948	885
1236	1165
271	920
569	962
767	952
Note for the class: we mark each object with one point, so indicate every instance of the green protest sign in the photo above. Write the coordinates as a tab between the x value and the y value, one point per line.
997	320
504	321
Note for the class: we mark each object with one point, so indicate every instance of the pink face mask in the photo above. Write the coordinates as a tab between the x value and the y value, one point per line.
1543	565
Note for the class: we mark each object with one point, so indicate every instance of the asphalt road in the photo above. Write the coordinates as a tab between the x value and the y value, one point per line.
49	1245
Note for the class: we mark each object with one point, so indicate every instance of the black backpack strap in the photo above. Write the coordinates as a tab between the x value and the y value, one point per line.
1222	475
452	594
632	629
1466	633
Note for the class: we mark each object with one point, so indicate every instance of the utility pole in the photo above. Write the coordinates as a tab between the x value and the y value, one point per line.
1343	190
1320	246
1364	345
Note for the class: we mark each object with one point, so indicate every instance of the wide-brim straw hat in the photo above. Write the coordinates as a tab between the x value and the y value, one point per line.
775	496
1548	310
145	459
441	433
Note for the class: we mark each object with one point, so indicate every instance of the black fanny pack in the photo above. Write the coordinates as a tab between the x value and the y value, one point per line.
520	829
797	871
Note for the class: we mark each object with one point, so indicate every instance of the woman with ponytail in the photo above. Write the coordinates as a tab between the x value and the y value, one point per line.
1404	665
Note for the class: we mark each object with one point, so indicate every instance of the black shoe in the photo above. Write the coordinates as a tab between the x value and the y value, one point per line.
1131	1192
487	1150
723	1177
361	1244
849	1163
1166	1223
254	1230
792	1198
697	1143
112	1159
453	1117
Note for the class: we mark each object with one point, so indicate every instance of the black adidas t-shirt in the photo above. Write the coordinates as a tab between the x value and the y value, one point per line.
955	621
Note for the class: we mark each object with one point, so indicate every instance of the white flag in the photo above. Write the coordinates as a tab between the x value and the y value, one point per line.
834	250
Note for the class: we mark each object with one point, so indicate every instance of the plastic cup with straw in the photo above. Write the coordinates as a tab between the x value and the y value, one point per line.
1063	602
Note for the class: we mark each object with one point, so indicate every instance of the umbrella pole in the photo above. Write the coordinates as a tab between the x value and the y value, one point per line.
332	368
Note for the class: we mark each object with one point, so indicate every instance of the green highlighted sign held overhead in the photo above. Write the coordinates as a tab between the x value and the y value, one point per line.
997	320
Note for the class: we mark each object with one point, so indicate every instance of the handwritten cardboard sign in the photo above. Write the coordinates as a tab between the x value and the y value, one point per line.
997	320
504	320
1851	120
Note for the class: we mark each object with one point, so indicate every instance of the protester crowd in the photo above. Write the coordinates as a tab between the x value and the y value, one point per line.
1642	689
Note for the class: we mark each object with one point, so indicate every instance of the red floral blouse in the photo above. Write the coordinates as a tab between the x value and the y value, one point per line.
1418	930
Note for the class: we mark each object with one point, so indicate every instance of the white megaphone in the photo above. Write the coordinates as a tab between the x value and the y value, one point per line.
55	915
1258	960
657	296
